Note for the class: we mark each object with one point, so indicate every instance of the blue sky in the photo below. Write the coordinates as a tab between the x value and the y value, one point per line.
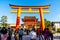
54	14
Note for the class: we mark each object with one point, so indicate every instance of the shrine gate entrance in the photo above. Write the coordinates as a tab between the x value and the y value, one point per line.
41	10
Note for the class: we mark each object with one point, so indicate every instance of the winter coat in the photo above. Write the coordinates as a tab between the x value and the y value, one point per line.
4	36
46	33
4	31
32	35
39	31
21	32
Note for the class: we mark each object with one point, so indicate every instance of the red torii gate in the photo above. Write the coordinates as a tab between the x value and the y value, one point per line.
30	9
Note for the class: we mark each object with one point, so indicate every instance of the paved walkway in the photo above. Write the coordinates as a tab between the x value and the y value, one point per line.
26	37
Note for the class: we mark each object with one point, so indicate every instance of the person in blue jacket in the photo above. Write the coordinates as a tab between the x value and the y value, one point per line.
21	32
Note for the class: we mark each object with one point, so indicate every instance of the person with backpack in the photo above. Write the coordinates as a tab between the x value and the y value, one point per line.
21	32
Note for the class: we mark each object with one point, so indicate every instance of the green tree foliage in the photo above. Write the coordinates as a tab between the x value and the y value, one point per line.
4	21
48	23
38	23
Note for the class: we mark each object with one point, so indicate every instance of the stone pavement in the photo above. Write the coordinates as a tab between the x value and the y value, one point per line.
26	37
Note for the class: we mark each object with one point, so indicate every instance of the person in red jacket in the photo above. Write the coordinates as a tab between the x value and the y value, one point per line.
39	34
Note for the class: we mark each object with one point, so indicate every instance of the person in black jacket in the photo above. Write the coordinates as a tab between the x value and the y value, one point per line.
9	33
4	30
0	33
4	34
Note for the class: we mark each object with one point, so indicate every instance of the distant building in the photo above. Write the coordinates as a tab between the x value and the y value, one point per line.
12	25
56	25
29	21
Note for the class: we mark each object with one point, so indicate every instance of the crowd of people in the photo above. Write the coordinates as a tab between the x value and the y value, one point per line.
9	33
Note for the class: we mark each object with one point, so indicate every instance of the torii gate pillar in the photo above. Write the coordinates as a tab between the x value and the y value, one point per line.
42	24
18	18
